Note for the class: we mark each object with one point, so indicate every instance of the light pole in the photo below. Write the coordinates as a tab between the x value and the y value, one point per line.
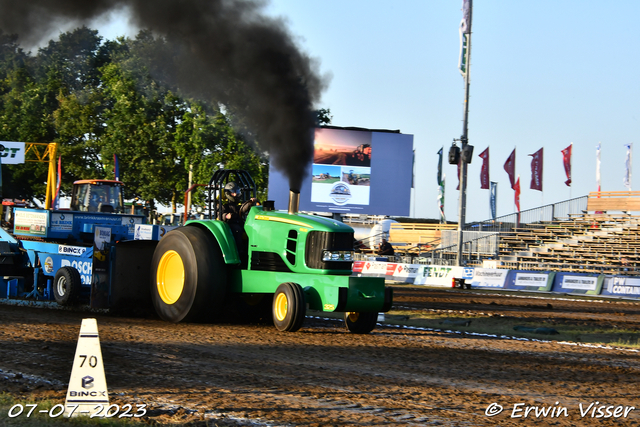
466	150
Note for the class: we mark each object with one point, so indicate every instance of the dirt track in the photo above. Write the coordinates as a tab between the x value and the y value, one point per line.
234	374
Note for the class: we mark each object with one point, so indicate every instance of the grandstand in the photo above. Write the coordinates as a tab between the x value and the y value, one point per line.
592	234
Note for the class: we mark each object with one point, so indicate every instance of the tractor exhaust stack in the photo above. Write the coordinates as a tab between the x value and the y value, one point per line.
294	201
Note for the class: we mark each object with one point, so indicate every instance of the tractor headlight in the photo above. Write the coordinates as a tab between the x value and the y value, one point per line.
345	256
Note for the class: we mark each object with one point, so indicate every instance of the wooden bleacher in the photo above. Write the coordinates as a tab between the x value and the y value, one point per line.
409	237
594	243
606	201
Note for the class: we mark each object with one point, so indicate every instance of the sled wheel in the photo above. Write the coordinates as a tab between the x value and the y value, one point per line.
188	275
66	285
360	323
288	307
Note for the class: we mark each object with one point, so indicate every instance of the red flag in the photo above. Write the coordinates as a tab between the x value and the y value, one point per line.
566	160
516	187
484	171
536	170
510	167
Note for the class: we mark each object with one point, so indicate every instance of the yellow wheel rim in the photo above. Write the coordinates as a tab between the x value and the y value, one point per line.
170	277
281	307
353	316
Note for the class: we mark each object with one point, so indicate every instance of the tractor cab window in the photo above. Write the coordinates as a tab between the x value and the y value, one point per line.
82	196
98	199
104	198
97	196
114	198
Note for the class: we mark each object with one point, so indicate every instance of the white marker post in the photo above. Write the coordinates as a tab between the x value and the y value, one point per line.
87	393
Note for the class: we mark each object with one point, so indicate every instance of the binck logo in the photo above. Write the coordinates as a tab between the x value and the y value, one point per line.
73	393
87	382
71	250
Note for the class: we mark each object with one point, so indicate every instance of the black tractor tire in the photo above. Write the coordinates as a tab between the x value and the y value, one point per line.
289	307
188	276
360	323
67	285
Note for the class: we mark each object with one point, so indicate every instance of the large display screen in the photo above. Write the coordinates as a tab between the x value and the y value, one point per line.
353	171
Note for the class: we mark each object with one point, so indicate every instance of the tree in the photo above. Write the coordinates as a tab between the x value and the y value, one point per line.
323	116
97	99
22	117
139	131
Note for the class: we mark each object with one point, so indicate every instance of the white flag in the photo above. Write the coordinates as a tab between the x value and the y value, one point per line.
598	165
465	31
465	25
627	167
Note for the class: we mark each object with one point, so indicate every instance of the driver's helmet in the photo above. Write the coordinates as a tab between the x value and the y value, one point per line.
98	197
232	192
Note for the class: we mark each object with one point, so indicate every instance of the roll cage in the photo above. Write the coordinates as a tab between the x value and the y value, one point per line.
215	189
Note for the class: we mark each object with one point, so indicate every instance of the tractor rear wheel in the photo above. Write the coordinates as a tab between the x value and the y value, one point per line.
289	307
360	323
188	275
66	285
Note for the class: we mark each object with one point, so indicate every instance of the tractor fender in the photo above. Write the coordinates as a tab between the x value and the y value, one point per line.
222	233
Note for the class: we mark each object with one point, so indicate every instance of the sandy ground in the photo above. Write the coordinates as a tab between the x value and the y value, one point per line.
251	374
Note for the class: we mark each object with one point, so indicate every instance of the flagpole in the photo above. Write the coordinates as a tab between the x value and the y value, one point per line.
463	140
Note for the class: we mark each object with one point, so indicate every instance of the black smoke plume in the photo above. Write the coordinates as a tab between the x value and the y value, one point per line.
223	50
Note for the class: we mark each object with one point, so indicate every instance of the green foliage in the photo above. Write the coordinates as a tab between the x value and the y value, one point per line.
98	99
323	116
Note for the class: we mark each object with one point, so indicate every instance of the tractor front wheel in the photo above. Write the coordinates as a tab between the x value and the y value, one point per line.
188	275
360	323
288	307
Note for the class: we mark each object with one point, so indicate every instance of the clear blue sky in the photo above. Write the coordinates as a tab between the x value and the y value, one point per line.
544	73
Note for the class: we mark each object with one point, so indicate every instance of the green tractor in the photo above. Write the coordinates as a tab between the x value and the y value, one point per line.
284	260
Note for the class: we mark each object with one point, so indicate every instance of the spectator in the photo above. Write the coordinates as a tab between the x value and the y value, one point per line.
385	248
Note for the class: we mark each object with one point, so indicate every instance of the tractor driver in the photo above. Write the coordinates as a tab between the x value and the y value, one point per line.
234	212
97	199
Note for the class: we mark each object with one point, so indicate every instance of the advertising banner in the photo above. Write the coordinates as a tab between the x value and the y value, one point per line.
353	171
357	266
528	281
488	278
61	222
151	231
441	275
101	257
578	284
341	172
31	222
371	268
403	272
510	168
493	196
83	264
566	161
13	153
484	170
536	170
626	287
